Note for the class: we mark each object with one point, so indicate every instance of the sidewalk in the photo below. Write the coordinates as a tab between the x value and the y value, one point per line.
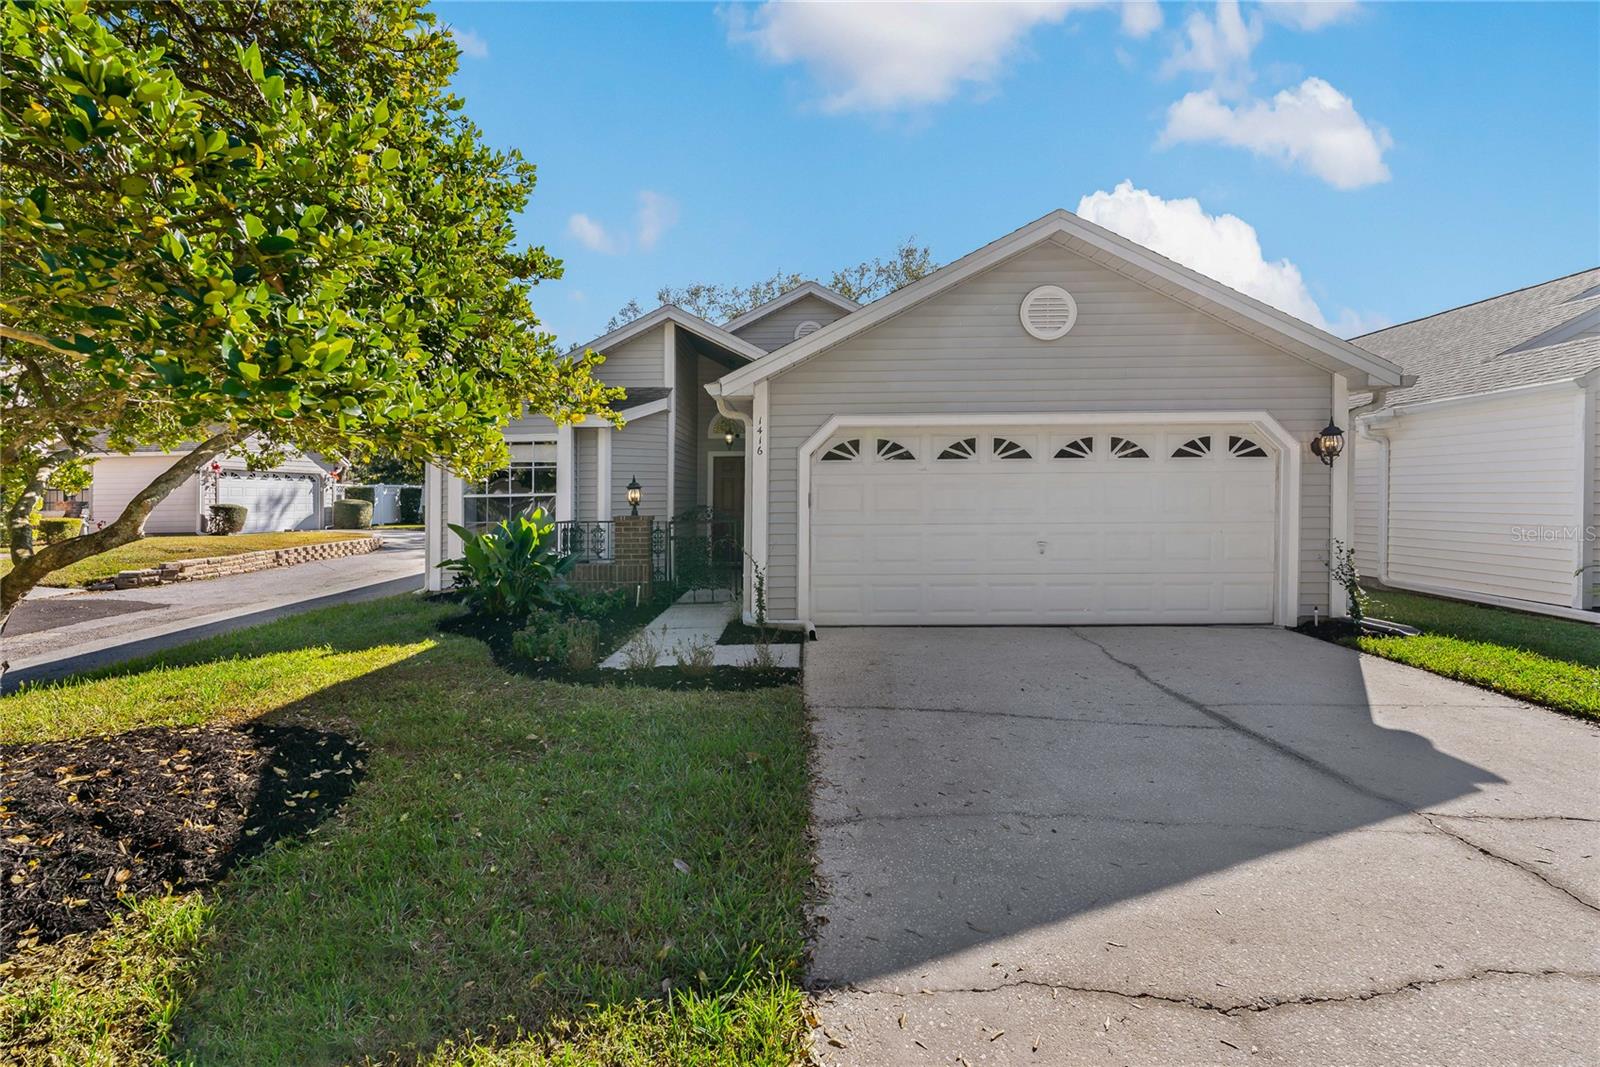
701	622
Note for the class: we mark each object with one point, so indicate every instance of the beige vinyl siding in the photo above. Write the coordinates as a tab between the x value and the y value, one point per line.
585	455
777	329
966	352
639	450
639	362
118	478
1465	478
686	434
1368	458
1592	534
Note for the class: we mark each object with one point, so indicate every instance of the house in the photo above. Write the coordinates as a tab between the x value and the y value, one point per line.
1060	427
1482	480
289	496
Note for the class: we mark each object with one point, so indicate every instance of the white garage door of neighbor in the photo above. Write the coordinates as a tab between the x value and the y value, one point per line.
272	501
968	526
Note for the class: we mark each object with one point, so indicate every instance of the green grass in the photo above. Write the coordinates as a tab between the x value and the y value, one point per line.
153	551
1549	661
501	888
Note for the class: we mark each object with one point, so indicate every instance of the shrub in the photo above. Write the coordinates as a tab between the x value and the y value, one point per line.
696	658
352	514
642	652
511	570
362	492
228	518
410	506
571	643
52	530
591	605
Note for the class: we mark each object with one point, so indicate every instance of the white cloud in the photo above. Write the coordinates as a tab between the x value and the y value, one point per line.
470	43
1219	46
1223	247
592	235
1140	18
890	56
1310	15
657	215
1312	125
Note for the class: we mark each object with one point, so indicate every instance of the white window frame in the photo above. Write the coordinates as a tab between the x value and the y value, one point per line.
534	497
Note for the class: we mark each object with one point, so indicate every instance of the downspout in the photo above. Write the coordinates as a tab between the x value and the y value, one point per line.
747	616
1364	419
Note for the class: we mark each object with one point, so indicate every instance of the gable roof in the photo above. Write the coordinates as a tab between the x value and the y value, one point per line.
1546	332
778	303
671	313
1101	246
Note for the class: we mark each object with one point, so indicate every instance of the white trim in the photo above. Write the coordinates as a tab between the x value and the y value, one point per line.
711	466
1339	509
655	407
1584	413
1379	416
778	303
669	313
1381	549
1285	601
1529	606
1111	251
566	473
760	461
1590	578
726	408
602	474
669	347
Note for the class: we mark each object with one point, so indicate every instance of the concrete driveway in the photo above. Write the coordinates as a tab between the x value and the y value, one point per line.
1193	846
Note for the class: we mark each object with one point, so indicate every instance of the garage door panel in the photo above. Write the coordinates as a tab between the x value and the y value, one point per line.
1080	540
272	502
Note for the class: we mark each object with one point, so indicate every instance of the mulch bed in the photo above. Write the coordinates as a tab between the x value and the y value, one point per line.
737	633
85	821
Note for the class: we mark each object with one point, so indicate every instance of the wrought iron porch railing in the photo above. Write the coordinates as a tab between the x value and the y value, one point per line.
590	541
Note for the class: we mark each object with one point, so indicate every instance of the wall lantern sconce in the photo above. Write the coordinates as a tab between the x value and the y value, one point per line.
1327	445
728	435
635	494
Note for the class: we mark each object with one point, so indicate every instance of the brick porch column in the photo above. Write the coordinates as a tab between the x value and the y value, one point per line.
630	545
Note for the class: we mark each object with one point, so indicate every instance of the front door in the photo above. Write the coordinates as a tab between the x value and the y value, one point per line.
727	505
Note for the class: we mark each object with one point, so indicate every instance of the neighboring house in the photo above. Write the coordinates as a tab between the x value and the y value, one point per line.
289	496
1482	480
1061	427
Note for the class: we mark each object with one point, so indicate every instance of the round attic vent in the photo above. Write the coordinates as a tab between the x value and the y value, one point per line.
806	327
1049	312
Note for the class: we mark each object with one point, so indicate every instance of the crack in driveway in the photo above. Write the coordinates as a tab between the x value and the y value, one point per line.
913	816
1330	772
1245	1008
1037	717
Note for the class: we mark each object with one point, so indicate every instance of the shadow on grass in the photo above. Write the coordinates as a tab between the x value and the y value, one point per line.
519	851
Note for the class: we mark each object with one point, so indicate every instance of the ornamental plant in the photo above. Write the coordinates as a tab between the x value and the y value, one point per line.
264	222
512	570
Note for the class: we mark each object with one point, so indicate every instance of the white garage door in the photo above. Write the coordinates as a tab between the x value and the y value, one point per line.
274	501
974	526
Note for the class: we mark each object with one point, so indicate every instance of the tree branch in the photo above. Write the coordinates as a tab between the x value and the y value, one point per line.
38	340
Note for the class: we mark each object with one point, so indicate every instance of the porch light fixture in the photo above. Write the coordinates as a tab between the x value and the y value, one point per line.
1327	445
728	436
635	494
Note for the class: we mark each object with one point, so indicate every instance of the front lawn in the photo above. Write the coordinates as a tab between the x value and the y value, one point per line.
1550	661
154	551
528	871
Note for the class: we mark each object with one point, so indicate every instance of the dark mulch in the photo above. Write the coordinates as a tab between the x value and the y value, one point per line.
1344	632
614	631
85	821
737	633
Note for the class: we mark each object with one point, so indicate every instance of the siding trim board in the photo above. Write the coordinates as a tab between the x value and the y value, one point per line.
1285	608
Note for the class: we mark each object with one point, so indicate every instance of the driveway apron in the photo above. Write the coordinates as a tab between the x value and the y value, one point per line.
1193	845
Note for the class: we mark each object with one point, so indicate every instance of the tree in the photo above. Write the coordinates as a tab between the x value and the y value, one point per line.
262	221
863	283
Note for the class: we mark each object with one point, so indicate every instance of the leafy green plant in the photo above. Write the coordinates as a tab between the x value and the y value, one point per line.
352	514
58	529
571	643
228	518
410	504
361	492
582	605
1342	565
512	569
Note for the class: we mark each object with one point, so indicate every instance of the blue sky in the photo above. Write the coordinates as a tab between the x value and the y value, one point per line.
1380	161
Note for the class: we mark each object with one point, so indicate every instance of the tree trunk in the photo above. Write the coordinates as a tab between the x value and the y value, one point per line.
29	570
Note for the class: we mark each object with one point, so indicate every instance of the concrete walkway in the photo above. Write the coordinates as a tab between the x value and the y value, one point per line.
698	619
53	636
1193	846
